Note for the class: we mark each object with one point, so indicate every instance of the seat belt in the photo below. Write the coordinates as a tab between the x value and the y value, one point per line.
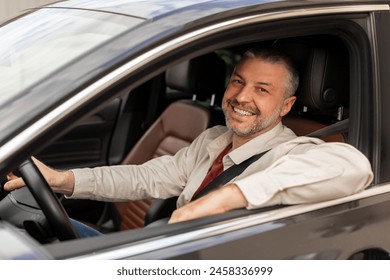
227	175
338	127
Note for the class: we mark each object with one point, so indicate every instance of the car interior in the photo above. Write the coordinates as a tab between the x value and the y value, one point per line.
193	90
170	110
321	102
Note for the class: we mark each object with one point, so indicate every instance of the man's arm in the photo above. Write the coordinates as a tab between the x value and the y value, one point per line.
323	172
222	200
319	173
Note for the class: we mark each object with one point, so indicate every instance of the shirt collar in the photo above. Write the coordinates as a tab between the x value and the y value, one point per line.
277	135
218	144
257	145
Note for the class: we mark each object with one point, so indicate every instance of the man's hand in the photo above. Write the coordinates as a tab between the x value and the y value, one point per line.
60	181
226	198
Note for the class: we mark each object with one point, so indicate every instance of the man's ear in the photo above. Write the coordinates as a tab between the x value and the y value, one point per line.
288	103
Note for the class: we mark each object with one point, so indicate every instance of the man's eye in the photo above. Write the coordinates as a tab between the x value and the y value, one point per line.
236	81
262	90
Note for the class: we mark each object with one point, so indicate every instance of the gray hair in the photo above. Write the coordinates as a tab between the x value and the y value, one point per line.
275	56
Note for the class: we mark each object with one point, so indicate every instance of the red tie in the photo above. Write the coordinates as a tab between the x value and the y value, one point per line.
215	170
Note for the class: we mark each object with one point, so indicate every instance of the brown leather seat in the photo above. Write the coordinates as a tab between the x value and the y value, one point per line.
178	125
322	95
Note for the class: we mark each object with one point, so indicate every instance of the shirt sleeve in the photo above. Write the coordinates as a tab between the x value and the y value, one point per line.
162	177
320	172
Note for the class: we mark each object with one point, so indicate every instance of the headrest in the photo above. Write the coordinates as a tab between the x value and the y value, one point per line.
324	73
202	76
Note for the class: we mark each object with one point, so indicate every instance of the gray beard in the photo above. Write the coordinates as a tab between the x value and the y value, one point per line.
256	127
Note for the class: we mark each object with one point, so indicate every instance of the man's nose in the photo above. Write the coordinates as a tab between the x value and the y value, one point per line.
244	95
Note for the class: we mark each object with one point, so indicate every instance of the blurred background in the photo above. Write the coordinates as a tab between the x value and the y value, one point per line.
11	8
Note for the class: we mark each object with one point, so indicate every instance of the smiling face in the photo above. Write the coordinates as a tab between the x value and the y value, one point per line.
255	101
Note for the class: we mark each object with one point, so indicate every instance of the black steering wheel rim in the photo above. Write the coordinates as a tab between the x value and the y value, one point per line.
49	203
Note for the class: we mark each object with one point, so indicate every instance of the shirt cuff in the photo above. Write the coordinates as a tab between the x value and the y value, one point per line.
84	183
257	194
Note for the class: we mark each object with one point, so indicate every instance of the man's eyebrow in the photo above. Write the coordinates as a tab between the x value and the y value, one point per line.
258	83
236	74
265	84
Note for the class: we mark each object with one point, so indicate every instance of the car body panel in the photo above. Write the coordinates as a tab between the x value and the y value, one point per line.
315	231
383	58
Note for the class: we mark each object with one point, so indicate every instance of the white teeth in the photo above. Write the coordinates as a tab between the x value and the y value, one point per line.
242	112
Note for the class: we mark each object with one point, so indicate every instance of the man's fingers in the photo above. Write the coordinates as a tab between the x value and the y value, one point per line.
12	176
193	210
176	217
14	183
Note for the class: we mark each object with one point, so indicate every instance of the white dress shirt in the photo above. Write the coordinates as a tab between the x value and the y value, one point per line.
295	170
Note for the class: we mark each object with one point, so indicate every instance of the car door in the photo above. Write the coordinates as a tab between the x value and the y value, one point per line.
88	141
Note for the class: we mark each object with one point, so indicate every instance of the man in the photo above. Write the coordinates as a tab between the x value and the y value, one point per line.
294	170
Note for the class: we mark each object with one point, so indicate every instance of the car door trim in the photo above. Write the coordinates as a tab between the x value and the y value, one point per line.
154	244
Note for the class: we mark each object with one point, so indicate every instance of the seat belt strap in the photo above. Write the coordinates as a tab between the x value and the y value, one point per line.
339	127
227	175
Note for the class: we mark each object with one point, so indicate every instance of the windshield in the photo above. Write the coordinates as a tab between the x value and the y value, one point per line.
42	42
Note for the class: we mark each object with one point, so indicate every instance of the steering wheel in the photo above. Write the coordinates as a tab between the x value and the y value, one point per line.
49	203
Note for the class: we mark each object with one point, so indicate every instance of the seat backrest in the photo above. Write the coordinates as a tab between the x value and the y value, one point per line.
201	78
176	128
322	95
179	124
